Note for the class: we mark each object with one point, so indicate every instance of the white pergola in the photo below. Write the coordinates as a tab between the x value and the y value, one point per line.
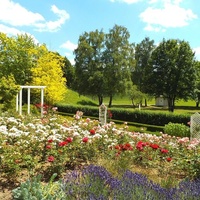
19	98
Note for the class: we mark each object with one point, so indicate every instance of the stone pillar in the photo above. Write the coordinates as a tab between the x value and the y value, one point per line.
102	114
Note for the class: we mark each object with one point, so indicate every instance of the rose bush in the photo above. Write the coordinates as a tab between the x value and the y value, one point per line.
55	144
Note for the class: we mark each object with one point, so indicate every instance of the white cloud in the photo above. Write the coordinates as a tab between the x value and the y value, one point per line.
197	53
15	15
72	61
176	2
126	1
171	15
69	45
54	25
153	1
10	31
149	27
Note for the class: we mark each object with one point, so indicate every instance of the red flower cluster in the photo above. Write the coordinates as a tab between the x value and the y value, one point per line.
69	140
154	146
92	132
168	159
109	114
124	147
85	139
62	144
45	106
48	147
164	150
50	159
140	145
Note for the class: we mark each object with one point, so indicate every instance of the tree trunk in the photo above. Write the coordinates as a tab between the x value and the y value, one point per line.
171	104
197	104
145	102
133	103
100	100
110	101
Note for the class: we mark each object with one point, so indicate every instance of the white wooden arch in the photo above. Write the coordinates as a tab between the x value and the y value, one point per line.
19	98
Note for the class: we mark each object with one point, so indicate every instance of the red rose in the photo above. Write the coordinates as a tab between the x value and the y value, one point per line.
85	139
118	147
140	145
69	139
50	141
117	154
154	146
50	158
168	159
62	144
48	146
164	151
92	131
127	146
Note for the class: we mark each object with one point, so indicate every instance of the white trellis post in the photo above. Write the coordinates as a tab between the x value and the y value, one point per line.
20	101
29	101
19	98
42	101
17	102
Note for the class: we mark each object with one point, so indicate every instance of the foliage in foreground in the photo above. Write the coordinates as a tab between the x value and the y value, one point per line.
95	182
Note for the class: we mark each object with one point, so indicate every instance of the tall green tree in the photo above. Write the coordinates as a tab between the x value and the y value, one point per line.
69	73
143	52
118	60
196	95
171	71
135	95
89	79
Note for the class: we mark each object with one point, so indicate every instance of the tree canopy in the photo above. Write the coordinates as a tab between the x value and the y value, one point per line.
103	63
23	63
171	71
89	66
48	72
118	60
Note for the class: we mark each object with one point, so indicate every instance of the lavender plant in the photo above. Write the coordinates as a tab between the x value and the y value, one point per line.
95	182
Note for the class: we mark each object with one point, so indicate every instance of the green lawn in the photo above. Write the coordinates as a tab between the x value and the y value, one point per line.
73	98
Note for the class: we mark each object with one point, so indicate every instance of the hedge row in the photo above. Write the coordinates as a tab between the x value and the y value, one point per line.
138	116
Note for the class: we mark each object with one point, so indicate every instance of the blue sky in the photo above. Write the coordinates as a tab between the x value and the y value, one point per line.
59	23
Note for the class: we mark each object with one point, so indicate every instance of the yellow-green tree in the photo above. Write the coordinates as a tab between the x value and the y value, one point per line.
17	57
8	91
48	72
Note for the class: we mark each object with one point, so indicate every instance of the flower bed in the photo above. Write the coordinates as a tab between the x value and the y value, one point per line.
54	145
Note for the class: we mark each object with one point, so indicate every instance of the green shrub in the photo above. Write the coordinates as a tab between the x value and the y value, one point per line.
33	189
136	116
176	129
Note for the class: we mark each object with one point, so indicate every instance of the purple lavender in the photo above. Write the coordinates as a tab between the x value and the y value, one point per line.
96	183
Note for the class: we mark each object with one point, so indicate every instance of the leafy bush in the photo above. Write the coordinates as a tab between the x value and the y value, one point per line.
176	129
33	189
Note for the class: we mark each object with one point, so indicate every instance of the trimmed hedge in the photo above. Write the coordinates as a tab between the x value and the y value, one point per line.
149	117
138	116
